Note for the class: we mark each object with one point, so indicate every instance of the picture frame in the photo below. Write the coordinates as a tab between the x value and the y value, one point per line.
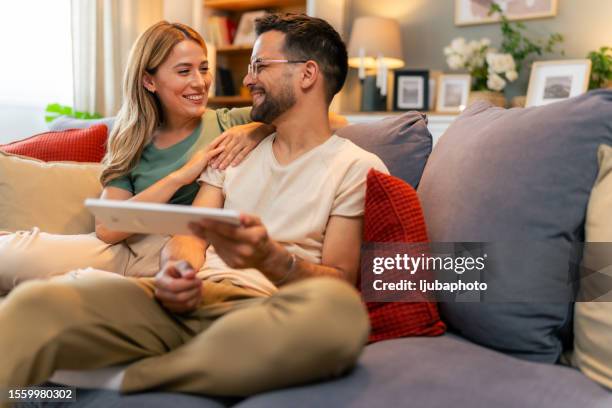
554	81
411	90
245	33
473	12
453	93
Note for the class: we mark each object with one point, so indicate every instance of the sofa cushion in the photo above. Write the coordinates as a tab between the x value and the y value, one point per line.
520	178
443	372
50	195
80	145
393	214
402	142
66	122
593	319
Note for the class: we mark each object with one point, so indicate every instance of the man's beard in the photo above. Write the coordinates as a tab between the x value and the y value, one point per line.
273	106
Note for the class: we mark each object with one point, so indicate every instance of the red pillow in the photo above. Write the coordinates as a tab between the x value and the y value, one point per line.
393	214
79	145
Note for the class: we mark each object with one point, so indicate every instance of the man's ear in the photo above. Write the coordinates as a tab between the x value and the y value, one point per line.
147	82
310	74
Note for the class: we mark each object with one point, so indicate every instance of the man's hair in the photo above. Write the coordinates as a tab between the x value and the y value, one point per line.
310	38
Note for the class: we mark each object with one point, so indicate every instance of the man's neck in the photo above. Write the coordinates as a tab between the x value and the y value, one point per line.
298	131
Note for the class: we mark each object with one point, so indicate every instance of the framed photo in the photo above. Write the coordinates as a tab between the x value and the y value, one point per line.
470	12
245	33
453	93
411	90
554	81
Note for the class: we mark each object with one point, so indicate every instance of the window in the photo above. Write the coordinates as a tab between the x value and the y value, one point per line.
36	50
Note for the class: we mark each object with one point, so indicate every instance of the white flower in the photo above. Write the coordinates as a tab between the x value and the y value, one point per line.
458	44
448	51
500	63
511	76
455	61
485	42
495	82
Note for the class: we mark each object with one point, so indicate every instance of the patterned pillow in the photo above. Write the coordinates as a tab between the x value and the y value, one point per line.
393	214
79	145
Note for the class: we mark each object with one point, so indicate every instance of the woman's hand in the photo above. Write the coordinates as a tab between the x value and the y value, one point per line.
196	165
238	142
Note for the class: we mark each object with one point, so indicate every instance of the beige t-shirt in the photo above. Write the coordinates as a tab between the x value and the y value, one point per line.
294	201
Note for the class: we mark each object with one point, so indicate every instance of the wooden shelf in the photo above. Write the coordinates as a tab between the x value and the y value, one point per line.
235	49
241	5
229	101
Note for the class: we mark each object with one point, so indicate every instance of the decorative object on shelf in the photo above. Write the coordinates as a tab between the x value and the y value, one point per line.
470	12
554	81
374	56
411	90
453	93
494	98
434	77
245	33
518	101
601	68
490	70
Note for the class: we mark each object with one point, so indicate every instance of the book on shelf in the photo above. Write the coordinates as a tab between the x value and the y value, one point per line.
224	82
221	30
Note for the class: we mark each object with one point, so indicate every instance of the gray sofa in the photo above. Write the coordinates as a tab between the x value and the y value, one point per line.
456	369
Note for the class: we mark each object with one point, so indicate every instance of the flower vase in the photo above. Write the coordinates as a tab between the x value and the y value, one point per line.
495	98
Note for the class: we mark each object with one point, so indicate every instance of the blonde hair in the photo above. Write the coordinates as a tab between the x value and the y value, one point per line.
141	113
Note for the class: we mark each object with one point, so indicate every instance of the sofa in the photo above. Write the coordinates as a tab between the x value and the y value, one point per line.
494	354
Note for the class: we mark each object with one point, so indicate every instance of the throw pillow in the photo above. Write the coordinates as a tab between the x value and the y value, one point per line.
80	145
403	143
393	214
46	195
66	122
593	319
520	179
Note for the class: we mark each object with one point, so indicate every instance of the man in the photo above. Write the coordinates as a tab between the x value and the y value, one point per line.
235	310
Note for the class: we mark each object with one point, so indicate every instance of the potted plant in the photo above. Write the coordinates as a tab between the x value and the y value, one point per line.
516	43
601	68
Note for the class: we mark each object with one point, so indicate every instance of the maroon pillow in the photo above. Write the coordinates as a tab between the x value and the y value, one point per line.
393	214
79	145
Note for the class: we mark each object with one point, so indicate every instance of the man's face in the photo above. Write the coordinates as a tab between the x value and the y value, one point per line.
271	83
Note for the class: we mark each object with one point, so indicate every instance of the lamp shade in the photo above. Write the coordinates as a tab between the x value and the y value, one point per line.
376	36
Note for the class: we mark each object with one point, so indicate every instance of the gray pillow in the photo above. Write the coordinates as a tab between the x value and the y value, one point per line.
402	142
66	122
521	178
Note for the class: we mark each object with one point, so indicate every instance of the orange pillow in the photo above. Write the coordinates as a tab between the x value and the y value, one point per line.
393	214
79	145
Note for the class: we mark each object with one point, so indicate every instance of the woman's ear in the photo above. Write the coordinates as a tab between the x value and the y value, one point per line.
147	82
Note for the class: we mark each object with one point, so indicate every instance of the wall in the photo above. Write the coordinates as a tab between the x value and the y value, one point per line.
428	26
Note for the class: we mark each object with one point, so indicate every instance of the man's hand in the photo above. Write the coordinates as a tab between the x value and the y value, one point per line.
177	287
243	246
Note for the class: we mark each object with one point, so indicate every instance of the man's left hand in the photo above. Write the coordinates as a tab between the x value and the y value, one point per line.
245	246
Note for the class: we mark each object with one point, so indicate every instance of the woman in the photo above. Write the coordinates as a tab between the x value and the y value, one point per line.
162	140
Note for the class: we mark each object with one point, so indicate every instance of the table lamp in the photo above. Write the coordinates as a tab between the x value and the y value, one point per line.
374	48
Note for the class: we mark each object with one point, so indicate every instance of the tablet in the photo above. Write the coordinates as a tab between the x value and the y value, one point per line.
153	218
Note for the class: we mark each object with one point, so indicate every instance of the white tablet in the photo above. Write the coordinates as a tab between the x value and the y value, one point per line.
152	218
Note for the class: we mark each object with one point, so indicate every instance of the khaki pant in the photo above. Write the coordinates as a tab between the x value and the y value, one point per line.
237	343
27	255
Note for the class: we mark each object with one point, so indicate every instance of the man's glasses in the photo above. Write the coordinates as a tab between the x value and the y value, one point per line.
255	66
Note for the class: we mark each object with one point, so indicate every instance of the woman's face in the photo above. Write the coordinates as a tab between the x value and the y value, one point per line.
182	81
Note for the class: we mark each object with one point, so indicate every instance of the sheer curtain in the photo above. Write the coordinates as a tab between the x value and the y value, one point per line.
103	32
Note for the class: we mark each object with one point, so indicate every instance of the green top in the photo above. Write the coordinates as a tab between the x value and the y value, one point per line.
156	164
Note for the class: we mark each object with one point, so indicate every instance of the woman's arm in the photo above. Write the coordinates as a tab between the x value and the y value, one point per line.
160	192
